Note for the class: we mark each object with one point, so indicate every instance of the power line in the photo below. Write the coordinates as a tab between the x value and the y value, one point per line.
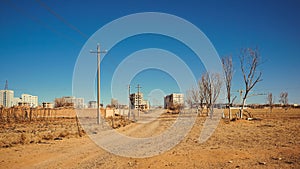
59	17
38	21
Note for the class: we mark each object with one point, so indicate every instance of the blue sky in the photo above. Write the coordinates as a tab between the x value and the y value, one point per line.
41	40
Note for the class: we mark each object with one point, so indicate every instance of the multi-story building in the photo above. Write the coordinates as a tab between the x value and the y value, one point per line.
92	104
47	105
173	100
27	99
137	101
17	100
7	98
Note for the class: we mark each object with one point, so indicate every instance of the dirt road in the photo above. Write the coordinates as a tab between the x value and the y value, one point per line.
270	143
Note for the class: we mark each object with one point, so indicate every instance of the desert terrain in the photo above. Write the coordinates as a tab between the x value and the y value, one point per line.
270	142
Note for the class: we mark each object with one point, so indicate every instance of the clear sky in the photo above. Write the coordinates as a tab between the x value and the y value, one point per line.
41	40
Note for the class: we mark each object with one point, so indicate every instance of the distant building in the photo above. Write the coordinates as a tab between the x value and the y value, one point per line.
30	100
16	101
67	101
173	100
47	105
137	101
121	106
77	102
6	98
114	103
92	104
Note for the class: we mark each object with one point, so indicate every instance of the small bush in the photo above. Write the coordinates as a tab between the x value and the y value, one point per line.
23	138
48	136
64	133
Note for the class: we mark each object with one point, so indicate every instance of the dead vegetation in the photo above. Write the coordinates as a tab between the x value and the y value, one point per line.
40	131
23	125
18	114
272	142
118	121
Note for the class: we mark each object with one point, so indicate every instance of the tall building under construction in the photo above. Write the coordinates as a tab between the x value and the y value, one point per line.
138	102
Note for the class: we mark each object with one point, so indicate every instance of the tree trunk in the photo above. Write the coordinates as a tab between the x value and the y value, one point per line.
211	112
229	112
242	110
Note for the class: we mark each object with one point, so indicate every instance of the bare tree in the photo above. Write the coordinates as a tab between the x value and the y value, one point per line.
250	60
61	102
189	99
202	93
284	99
193	97
228	73
212	86
270	100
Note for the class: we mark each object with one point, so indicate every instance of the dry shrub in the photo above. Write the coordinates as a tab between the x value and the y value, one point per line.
38	131
48	136
8	141
14	140
64	133
23	138
26	138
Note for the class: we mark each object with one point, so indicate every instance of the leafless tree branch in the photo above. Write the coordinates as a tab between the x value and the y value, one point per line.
249	59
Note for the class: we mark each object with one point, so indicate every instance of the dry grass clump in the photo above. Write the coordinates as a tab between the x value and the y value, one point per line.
117	121
12	134
64	133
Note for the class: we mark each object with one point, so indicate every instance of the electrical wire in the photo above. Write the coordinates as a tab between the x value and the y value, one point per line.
38	21
59	17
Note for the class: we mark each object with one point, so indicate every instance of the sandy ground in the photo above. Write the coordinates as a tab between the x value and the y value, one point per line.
273	142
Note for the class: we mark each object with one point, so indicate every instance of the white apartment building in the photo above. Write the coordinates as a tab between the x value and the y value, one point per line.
174	99
77	102
17	100
30	100
6	98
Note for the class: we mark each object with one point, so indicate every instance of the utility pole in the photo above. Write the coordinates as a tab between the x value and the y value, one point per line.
138	87
98	80
129	102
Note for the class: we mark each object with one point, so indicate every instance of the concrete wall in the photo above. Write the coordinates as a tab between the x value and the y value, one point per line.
121	112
